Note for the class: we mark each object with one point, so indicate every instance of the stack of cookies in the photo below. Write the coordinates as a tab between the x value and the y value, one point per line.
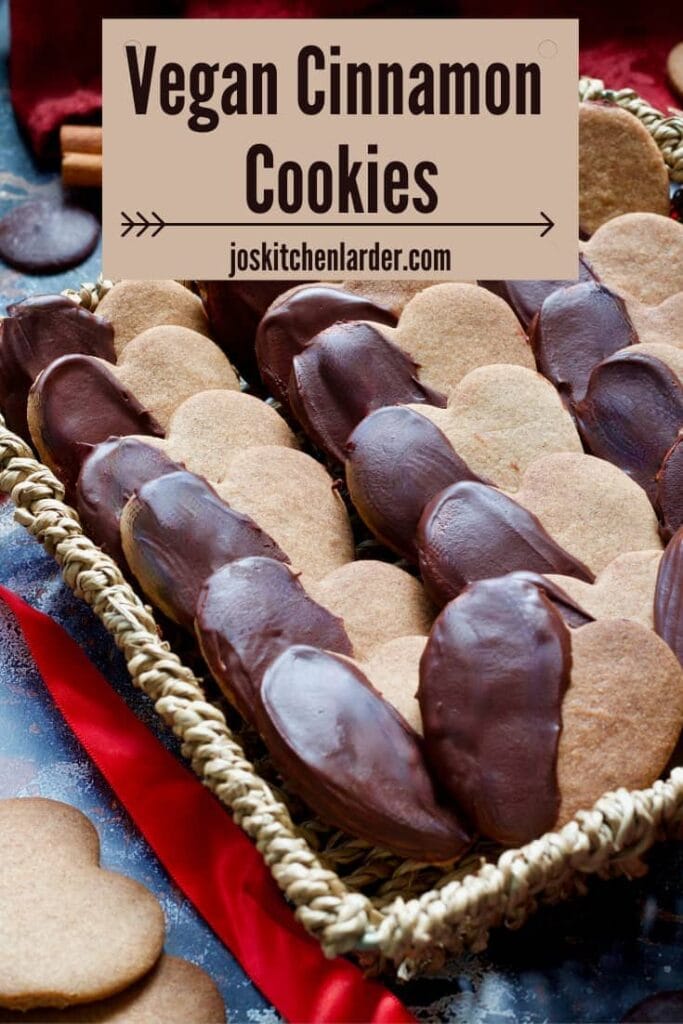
427	536
78	943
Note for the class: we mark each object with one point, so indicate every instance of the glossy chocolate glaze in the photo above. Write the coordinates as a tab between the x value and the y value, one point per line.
112	472
526	297
572	612
248	613
660	1008
76	403
34	333
234	309
346	372
576	329
472	532
45	236
492	680
632	414
669	495
176	532
290	323
397	460
352	757
668	607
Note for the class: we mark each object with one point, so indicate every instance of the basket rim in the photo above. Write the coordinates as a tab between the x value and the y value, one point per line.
609	838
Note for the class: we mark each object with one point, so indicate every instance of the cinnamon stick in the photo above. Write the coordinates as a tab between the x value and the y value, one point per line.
83	170
80	138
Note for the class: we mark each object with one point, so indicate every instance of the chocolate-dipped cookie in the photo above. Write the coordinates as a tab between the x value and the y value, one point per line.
632	412
35	332
346	372
76	403
295	318
577	328
176	532
352	757
397	460
248	613
46	236
669	493
668	604
234	309
470	531
527	722
112	472
526	297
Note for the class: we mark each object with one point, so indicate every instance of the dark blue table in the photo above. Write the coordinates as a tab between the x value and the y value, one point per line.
585	961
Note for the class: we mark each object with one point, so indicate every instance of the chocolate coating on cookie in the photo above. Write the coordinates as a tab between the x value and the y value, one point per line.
471	532
112	472
669	595
669	495
176	532
234	309
632	414
35	332
397	460
346	372
248	613
577	328
290	323
352	757
525	298
492	680
76	403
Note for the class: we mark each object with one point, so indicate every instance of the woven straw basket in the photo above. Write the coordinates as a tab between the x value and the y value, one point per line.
351	897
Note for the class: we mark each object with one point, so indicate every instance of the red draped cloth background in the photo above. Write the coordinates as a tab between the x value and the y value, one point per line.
56	46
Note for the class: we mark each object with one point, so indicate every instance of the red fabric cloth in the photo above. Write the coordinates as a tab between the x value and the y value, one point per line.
205	853
56	48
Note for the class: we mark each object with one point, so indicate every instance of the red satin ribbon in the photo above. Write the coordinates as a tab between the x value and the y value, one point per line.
204	852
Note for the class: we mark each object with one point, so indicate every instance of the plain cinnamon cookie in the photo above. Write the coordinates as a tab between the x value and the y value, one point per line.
621	169
291	496
174	992
625	589
70	932
377	601
134	306
639	255
164	366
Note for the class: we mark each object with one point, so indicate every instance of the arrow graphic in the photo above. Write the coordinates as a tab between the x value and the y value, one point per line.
156	224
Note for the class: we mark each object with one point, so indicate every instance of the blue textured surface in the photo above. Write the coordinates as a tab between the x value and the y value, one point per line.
589	960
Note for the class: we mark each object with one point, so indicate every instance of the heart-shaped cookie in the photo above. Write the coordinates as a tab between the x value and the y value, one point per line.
661	324
291	496
132	307
624	589
639	255
76	403
176	531
378	603
33	334
500	418
352	757
166	365
208	429
174	992
71	931
621	169
249	612
515	706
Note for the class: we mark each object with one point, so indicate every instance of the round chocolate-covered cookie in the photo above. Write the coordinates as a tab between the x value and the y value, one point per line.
45	236
669	494
668	604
